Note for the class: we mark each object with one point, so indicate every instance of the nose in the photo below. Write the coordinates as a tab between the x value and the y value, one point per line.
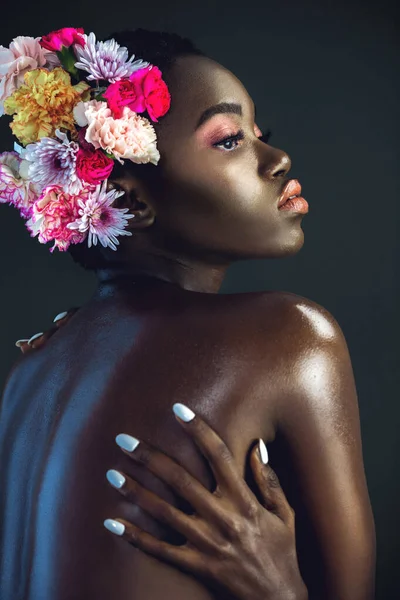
276	163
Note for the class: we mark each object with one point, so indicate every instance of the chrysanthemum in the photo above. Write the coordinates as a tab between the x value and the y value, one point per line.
100	220
106	60
53	162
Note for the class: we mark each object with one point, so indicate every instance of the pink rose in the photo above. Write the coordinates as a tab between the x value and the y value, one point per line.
93	166
66	36
144	90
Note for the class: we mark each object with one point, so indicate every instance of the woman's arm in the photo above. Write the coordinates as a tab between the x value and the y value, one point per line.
320	426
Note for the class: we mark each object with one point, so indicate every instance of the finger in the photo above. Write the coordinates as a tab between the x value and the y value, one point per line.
168	470
272	494
63	317
189	525
184	557
23	345
216	452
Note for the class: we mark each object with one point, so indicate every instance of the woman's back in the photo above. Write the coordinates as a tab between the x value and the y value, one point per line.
118	367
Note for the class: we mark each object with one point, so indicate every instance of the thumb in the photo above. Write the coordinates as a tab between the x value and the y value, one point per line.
272	495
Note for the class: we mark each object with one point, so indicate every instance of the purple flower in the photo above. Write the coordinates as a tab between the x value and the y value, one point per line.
52	162
102	221
106	60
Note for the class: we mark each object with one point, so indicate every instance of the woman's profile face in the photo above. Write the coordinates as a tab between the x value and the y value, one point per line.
212	194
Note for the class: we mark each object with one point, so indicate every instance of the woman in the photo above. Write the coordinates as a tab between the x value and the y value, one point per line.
262	365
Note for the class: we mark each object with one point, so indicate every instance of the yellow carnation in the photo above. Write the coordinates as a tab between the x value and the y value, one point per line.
43	104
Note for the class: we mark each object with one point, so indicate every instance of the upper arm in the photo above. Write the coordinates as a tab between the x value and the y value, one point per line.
319	421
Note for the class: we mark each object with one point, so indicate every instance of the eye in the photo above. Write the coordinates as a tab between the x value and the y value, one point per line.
240	136
232	138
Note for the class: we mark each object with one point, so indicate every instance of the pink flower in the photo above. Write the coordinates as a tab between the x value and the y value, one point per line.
131	137
24	54
93	166
121	93
66	36
51	214
14	189
155	96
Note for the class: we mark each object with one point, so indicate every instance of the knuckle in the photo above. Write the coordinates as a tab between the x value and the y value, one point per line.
233	527
223	452
272	479
181	480
250	510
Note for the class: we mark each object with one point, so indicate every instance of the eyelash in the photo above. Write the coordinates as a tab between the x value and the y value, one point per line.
240	136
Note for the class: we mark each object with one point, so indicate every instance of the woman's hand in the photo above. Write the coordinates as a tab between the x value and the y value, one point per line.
37	340
235	544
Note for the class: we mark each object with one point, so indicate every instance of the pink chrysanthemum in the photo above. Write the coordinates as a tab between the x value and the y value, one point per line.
53	162
14	189
100	220
106	60
52	213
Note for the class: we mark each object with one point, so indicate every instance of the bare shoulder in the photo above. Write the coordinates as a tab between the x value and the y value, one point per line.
301	319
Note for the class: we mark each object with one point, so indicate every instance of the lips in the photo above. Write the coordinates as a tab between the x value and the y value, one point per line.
292	188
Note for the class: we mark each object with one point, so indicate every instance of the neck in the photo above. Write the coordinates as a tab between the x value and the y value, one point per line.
188	276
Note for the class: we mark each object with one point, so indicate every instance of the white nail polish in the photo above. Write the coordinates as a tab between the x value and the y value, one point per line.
34	337
60	316
127	442
114	526
263	451
19	342
183	412
115	478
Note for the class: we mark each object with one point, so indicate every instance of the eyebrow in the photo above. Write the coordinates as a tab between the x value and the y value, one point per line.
221	108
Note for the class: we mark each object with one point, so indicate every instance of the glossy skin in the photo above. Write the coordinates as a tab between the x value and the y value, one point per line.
270	365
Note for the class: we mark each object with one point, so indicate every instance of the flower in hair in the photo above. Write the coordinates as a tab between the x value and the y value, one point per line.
14	189
130	137
106	60
100	220
43	104
53	162
24	54
75	104
145	90
52	212
63	37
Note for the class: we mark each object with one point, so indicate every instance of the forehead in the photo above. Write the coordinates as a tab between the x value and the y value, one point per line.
196	83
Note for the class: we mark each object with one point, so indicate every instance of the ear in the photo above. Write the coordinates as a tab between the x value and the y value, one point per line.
136	198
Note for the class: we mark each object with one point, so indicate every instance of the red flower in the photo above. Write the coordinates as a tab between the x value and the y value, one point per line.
93	166
67	36
144	90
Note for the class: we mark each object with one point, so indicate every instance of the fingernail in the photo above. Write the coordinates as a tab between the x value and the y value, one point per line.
60	316
127	442
183	412
263	451
19	343
114	526
34	337
115	478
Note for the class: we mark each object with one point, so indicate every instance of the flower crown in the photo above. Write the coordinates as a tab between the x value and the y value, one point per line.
76	105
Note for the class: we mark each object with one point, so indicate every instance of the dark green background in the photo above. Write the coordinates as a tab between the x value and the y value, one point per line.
324	77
